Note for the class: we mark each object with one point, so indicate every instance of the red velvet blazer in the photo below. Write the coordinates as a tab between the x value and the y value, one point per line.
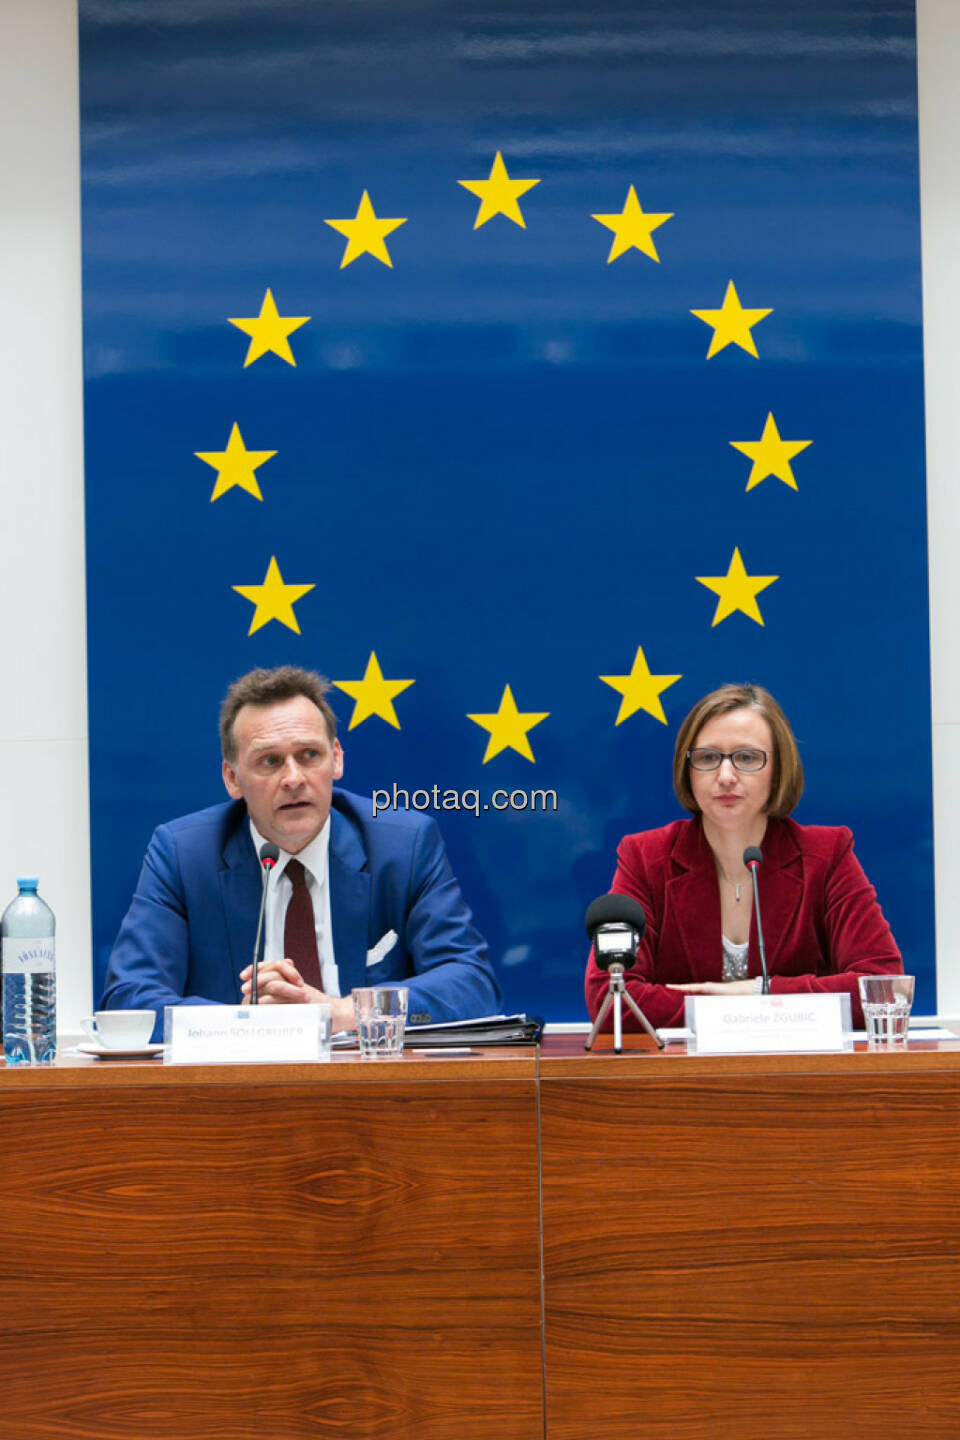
822	925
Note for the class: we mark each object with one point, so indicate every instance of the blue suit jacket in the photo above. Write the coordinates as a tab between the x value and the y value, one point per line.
192	921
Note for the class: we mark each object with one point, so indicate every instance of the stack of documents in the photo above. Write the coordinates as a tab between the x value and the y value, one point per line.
460	1034
487	1030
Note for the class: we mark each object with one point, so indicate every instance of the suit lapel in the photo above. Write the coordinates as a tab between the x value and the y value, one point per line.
780	883
693	905
693	901
240	892
349	903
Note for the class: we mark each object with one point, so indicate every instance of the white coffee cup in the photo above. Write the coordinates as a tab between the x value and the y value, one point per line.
120	1029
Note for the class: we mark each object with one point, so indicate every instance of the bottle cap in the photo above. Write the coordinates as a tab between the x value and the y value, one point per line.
27	882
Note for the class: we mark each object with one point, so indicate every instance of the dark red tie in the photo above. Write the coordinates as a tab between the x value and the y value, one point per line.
299	928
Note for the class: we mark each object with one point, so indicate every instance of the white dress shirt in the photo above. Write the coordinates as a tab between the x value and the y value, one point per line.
315	859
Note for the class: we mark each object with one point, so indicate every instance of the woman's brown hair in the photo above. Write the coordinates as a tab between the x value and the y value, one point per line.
786	785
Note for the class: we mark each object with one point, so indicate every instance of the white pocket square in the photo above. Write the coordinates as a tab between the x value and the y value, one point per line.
382	948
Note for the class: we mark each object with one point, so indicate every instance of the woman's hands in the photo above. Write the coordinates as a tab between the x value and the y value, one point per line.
716	987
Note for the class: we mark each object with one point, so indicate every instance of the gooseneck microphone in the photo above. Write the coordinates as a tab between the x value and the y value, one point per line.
615	925
753	859
269	855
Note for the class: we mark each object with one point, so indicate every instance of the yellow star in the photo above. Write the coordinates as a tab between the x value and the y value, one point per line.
498	194
235	466
737	590
373	694
508	727
771	455
274	600
632	228
731	324
640	689
269	331
365	234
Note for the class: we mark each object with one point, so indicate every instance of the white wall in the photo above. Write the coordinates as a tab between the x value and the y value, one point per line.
938	24
43	724
43	749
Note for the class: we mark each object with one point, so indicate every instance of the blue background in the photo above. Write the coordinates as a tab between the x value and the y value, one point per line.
504	460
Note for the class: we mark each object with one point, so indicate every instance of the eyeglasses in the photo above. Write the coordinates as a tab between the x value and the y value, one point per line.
749	761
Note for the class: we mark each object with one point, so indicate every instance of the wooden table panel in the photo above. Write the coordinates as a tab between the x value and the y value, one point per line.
745	1255
746	1247
342	1257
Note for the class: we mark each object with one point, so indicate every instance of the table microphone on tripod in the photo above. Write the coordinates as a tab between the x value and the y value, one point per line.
616	925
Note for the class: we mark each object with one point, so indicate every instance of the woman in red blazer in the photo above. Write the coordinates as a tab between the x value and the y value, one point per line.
737	769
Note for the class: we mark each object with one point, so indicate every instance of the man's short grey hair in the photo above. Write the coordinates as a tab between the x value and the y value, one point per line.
270	687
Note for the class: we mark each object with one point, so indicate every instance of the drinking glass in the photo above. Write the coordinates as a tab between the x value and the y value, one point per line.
887	1001
381	1016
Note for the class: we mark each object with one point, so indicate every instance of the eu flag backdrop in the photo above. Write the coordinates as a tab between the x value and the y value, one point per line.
529	371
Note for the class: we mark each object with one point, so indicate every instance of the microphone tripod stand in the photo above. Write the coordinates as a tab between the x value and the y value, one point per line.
615	996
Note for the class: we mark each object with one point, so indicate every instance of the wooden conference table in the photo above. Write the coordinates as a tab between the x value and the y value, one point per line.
512	1244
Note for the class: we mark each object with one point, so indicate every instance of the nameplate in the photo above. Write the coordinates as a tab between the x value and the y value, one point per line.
761	1024
222	1034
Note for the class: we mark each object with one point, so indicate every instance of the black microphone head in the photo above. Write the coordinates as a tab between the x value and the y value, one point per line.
615	910
269	854
753	855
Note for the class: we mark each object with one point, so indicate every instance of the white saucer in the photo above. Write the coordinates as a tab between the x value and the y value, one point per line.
101	1052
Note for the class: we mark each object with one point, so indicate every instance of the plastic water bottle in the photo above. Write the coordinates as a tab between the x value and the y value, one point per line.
29	978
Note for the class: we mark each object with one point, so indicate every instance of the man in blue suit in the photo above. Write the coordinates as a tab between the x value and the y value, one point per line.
381	901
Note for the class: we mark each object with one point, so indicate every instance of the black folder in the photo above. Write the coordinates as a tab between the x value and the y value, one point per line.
487	1030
